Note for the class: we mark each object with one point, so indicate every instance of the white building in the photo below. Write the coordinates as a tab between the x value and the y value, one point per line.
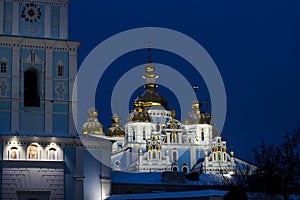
153	140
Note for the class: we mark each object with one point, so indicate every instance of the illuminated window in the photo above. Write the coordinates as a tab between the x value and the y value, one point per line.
13	153
52	154
33	152
190	139
154	155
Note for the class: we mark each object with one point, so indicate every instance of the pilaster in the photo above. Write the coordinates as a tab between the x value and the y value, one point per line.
15	19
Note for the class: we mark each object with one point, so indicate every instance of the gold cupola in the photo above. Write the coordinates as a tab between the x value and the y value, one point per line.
92	124
151	96
115	129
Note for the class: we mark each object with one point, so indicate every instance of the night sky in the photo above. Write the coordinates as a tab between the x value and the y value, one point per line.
255	45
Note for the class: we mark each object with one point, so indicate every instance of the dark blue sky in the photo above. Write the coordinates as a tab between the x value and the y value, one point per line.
255	44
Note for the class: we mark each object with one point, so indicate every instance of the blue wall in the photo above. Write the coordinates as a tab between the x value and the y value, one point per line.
70	160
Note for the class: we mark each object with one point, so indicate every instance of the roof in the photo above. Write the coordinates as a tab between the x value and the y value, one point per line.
156	178
171	195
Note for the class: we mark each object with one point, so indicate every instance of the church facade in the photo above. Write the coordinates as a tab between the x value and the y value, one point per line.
42	156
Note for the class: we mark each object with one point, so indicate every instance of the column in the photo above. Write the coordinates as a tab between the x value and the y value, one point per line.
47	21
1	16
49	88
15	19
179	137
168	137
16	90
72	84
63	22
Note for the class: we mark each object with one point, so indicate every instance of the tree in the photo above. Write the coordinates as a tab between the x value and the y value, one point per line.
278	166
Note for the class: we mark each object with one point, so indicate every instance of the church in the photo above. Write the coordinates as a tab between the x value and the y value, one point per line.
42	156
153	140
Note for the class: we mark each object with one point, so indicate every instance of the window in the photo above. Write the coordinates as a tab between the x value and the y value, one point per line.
52	154
154	155
174	156
33	152
144	134
202	135
184	169
60	70
133	135
175	169
190	139
13	153
31	88
3	67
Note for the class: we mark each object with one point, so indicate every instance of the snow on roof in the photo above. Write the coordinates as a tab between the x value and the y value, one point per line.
170	195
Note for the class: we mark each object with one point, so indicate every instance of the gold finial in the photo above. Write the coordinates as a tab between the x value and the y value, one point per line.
92	97
115	102
196	87
149	44
173	113
206	102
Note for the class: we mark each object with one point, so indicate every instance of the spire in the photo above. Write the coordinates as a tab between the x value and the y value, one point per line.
196	87
150	76
149	44
206	103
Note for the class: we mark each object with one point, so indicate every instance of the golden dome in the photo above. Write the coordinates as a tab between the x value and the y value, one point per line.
115	129
92	124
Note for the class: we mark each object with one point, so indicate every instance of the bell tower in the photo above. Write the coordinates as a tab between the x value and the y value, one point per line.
38	65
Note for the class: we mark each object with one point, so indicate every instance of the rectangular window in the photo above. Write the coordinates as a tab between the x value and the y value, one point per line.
3	67
60	70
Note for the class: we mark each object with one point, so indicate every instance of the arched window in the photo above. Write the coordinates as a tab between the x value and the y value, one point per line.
13	153
144	134
33	152
174	156
184	169
175	169
202	135
190	139
133	135
31	88
52	154
153	155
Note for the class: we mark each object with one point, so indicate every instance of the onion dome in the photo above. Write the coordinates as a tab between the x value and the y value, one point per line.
151	96
92	125
115	129
197	116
